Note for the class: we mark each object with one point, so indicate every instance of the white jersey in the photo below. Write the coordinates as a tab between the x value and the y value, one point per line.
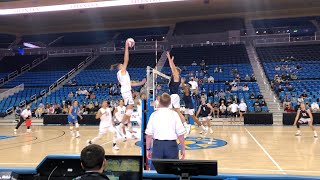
120	112
124	81
243	107
234	108
25	113
106	118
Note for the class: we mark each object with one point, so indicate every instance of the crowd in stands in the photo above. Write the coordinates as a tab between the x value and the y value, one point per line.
85	108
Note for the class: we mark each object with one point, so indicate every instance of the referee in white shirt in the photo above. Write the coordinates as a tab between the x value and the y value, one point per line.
25	115
165	127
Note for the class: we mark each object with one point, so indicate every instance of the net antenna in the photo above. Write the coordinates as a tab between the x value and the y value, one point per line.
152	81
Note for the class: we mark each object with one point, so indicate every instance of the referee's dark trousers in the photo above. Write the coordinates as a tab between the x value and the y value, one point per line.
164	149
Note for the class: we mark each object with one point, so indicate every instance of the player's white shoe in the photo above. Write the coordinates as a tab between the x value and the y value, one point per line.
115	147
211	131
297	134
15	130
28	130
125	139
315	136
77	134
202	132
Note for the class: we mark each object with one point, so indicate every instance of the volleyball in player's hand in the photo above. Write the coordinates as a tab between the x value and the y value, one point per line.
130	42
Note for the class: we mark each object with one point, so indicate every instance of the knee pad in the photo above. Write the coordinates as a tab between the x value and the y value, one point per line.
77	125
129	112
298	124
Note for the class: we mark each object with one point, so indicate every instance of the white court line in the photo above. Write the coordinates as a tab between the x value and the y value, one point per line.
265	151
105	143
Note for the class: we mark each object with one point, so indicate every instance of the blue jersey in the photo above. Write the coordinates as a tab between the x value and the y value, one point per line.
74	111
174	86
188	102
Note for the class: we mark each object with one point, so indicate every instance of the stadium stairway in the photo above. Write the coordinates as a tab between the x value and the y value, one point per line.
266	90
249	27
89	61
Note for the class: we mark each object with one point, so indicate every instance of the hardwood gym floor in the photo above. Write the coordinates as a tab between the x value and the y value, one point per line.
238	149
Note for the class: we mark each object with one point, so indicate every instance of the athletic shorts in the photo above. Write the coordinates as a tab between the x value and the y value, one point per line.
175	101
304	120
71	120
105	129
204	118
116	122
233	114
189	112
127	98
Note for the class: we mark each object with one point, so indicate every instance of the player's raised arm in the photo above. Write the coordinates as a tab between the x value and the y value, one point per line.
125	59
140	83
172	66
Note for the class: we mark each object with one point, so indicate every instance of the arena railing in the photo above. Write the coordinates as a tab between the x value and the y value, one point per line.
11	91
43	92
23	69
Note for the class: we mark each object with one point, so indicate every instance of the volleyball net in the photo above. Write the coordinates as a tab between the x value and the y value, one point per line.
156	83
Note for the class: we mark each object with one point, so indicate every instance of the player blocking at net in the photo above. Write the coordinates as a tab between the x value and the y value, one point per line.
126	84
174	85
106	124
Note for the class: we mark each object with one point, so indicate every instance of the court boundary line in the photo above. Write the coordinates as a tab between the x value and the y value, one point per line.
266	152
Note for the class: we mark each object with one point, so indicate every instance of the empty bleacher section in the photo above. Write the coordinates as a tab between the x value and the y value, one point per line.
12	63
71	39
143	34
208	26
98	72
96	37
229	54
46	73
301	26
14	100
6	40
